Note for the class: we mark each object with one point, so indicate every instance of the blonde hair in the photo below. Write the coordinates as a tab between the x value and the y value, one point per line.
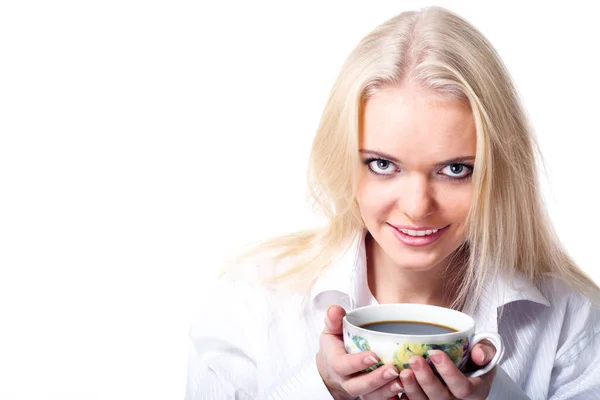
509	231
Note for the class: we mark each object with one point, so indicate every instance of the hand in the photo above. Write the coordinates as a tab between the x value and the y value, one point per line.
420	383
340	370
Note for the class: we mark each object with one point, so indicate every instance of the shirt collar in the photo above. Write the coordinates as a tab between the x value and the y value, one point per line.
345	283
500	292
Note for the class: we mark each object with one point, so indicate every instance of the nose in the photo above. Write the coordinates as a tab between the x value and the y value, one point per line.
416	200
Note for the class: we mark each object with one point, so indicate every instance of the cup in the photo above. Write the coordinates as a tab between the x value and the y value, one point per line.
417	329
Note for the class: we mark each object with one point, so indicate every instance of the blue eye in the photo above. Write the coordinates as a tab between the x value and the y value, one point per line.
457	171
380	166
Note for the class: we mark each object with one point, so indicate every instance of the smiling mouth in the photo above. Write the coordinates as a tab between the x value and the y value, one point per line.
418	232
411	232
418	237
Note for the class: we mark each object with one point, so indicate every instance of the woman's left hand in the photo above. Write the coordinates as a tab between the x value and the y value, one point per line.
420	383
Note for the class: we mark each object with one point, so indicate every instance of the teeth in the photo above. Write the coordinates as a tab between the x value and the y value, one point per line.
410	232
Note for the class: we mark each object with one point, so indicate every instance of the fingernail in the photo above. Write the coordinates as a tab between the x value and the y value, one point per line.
435	356
414	364
483	357
395	388
370	360
406	377
327	313
390	373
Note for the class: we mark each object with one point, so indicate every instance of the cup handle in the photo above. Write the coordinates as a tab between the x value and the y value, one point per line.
497	342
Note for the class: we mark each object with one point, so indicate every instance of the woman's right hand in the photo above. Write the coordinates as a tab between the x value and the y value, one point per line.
339	370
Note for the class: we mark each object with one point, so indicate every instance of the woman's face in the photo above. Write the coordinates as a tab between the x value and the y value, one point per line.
414	188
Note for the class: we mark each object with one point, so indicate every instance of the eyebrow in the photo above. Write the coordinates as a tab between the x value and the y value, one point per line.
388	157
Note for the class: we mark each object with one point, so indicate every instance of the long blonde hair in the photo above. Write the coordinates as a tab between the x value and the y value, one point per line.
509	230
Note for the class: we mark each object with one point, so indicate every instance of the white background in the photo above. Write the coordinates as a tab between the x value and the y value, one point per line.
140	142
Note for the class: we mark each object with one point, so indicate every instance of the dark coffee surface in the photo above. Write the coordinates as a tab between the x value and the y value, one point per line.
408	328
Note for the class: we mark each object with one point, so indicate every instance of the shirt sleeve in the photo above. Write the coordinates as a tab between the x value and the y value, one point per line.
306	383
576	371
504	388
221	355
207	379
222	360
576	376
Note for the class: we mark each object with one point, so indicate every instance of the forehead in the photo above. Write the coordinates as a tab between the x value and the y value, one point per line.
413	123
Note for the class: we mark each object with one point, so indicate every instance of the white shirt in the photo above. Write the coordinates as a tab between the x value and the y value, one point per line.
250	343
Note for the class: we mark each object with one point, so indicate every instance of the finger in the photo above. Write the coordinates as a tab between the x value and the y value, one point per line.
483	352
430	384
331	343
363	384
349	364
333	320
459	385
331	340
412	390
385	392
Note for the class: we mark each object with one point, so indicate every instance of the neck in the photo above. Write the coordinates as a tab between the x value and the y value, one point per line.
391	284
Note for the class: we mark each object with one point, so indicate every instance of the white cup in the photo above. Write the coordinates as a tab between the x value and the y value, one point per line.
396	348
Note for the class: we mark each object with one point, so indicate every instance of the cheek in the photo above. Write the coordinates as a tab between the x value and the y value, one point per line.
365	202
456	204
368	207
373	199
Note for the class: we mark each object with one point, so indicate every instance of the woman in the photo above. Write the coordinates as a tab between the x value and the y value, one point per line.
424	166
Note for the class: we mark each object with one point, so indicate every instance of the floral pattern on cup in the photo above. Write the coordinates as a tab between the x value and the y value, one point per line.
358	344
456	351
399	355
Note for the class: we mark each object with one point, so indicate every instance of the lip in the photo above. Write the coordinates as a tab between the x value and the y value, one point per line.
417	240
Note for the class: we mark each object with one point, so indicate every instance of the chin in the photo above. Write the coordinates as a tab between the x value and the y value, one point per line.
417	258
408	263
